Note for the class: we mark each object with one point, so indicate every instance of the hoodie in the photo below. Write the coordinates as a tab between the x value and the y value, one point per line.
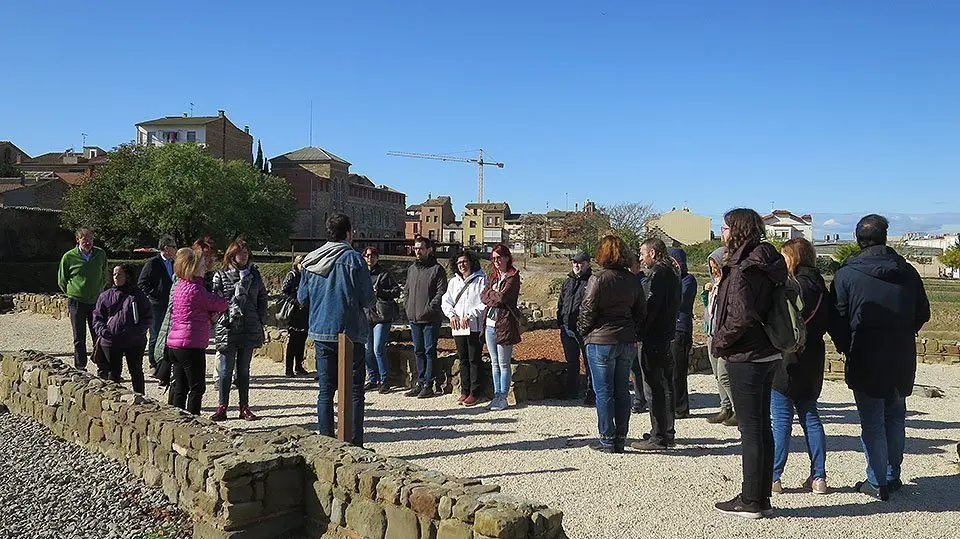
878	306
744	300
688	293
320	261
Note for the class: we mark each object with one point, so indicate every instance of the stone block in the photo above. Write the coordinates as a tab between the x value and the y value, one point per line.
465	508
428	529
454	529
338	510
171	489
501	523
324	494
237	491
369	480
401	523
180	466
152	476
235	515
366	518
206	504
388	490
54	395
546	523
425	501
96	432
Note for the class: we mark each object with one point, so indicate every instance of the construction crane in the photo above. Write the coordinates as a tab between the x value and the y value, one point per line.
479	161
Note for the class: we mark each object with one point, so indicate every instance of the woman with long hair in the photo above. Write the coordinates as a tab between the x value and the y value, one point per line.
462	305
240	329
380	316
297	323
751	271
192	308
727	415
121	318
611	322
797	384
501	321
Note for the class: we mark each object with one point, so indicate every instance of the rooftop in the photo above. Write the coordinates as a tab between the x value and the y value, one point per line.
308	154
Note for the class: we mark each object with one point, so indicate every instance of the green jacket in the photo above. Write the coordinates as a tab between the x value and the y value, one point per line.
80	279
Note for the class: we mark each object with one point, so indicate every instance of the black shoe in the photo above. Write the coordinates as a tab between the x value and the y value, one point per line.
300	371
604	448
739	508
681	415
289	374
426	393
865	487
384	388
722	416
894	486
765	508
414	391
649	445
641	409
371	385
590	400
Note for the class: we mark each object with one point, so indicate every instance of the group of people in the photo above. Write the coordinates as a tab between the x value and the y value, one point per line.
632	317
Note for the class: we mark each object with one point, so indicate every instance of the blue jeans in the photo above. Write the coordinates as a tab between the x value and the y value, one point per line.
883	435
610	371
782	409
159	313
376	355
425	336
500	356
239	358
327	372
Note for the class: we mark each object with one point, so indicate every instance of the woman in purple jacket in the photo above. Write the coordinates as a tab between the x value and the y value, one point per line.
192	313
121	319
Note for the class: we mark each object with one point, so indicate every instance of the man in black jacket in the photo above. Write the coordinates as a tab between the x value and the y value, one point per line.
155	280
879	306
426	283
662	289
568	312
683	339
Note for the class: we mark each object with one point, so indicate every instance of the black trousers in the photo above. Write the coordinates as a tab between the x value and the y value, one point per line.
639	387
470	352
575	352
81	319
189	378
114	366
751	385
680	350
296	343
657	366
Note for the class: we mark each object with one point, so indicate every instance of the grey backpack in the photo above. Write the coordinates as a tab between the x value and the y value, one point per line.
784	324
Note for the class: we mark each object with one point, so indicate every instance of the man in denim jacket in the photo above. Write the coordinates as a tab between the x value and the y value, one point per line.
336	287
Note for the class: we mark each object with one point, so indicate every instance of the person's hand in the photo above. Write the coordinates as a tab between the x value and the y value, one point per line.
454	323
465	322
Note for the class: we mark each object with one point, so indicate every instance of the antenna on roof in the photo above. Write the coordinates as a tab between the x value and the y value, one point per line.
191	108
84	135
311	124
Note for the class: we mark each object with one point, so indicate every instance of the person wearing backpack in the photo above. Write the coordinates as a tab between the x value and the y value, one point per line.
797	383
879	305
751	272
462	305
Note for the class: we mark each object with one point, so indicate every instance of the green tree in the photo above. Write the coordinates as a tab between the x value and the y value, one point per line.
951	257
697	253
258	163
845	251
144	192
9	170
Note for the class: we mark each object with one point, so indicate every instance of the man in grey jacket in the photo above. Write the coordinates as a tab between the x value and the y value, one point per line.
426	283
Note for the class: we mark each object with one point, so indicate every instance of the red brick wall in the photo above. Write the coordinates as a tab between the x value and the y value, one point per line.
238	145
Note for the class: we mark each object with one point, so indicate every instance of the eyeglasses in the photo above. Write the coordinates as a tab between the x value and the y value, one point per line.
369	255
495	257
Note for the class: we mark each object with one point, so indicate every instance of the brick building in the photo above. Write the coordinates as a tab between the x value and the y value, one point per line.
46	194
323	184
217	134
436	215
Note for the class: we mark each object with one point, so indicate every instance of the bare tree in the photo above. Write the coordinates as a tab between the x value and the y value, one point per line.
629	220
532	233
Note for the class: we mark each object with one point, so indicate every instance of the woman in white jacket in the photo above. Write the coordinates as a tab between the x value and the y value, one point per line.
462	305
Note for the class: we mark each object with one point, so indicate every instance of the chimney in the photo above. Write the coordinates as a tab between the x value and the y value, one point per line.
184	114
220	113
246	129
576	207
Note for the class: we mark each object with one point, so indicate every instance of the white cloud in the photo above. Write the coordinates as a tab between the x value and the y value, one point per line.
831	223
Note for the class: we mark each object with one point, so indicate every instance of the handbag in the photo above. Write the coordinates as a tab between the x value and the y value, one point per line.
287	305
523	325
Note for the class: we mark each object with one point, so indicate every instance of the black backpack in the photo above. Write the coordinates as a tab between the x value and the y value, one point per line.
784	325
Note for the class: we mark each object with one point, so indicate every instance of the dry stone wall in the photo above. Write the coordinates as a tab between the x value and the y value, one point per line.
286	483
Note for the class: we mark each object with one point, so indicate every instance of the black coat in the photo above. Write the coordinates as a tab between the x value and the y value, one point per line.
614	308
661	287
571	296
801	375
387	291
426	283
744	301
879	305
299	316
155	282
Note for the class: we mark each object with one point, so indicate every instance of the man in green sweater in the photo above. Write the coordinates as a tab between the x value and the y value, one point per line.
82	276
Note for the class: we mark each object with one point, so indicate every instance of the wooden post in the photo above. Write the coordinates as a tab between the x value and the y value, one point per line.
344	388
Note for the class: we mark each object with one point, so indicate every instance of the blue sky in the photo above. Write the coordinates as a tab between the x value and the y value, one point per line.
821	107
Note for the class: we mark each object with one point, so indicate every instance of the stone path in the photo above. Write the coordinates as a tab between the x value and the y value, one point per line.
540	451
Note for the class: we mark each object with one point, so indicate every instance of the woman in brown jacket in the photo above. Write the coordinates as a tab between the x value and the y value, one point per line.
502	321
611	322
752	269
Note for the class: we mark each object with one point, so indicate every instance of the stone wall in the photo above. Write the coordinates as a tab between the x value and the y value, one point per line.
288	482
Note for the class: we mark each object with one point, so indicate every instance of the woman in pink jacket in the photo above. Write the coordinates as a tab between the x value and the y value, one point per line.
193	309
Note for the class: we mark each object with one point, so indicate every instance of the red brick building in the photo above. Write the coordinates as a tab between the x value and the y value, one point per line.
217	134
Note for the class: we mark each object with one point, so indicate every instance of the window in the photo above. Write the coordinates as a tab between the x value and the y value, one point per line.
473	239
431	233
6	156
452	236
191	136
496	221
473	224
169	136
489	221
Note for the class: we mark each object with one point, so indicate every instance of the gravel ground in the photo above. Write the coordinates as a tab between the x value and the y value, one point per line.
540	451
51	488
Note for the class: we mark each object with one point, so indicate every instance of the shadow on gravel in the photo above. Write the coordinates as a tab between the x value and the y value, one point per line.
936	494
553	443
414	433
517	474
693	447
